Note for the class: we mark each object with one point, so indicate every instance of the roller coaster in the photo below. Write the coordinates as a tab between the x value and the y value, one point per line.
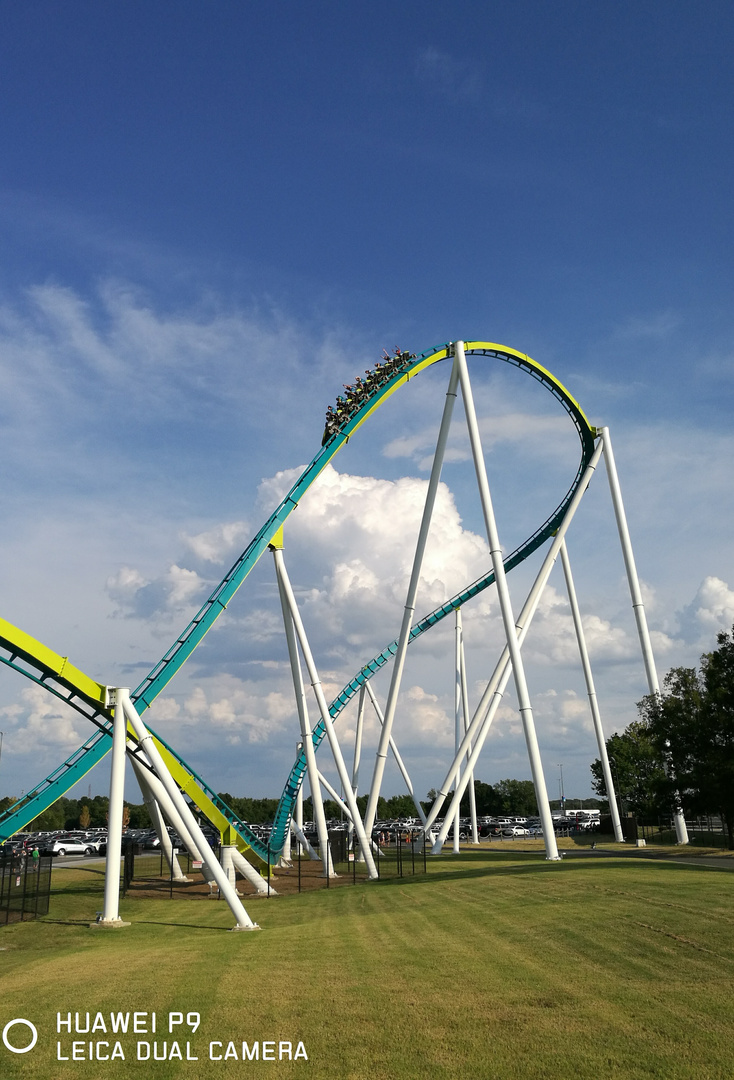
154	758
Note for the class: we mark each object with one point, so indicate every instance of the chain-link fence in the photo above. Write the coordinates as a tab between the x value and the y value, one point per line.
703	831
146	872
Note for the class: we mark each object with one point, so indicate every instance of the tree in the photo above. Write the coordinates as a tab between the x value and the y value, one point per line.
85	817
637	770
518	796
139	816
488	800
692	723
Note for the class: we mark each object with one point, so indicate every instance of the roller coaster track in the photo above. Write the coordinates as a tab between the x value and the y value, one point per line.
56	675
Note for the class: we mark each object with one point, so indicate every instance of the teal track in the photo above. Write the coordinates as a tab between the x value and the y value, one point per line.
94	749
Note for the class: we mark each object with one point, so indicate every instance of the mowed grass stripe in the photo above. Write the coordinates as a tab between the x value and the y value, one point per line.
493	965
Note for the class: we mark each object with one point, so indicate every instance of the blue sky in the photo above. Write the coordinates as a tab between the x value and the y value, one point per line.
212	216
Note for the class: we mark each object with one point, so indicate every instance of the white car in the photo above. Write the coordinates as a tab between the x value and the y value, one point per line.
69	845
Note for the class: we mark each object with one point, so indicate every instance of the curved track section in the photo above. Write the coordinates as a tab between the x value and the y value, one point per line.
35	661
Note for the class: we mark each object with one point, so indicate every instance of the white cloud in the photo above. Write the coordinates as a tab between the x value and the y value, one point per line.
711	611
530	432
353	538
237	711
220	543
41	725
172	594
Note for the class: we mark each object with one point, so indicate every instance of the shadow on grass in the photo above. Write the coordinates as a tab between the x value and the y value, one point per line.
179	925
136	922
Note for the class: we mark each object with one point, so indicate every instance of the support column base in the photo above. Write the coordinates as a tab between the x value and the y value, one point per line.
238	927
109	924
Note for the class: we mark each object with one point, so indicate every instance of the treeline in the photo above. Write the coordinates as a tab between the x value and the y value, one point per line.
504	797
512	797
87	813
682	747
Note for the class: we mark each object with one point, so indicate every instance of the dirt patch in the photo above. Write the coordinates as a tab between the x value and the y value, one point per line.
284	881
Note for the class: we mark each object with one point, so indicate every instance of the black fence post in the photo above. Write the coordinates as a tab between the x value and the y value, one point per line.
25	888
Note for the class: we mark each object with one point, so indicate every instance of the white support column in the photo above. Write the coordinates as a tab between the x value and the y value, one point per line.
591	691
638	606
299	804
358	747
324	710
334	794
465	716
250	874
145	739
285	859
458	711
404	636
111	912
331	790
302	840
396	754
225	856
305	724
159	824
484	713
495	549
160	794
358	738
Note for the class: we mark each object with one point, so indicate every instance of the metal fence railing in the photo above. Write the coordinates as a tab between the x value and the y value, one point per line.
706	831
25	887
146	871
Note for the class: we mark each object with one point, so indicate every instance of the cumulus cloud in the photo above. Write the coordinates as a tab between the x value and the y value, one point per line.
41	724
353	540
710	611
172	594
233	711
220	543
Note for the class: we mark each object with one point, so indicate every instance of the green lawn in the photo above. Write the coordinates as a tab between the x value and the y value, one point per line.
497	964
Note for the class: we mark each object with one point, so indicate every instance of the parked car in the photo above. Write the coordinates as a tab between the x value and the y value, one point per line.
68	845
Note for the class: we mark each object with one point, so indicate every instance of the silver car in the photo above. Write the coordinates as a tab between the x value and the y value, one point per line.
69	845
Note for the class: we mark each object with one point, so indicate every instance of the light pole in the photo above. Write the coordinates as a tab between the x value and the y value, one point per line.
561	791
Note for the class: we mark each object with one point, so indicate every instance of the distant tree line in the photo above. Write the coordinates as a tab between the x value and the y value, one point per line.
512	797
682	747
86	813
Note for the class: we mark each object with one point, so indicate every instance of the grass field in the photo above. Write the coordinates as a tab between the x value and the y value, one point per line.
494	965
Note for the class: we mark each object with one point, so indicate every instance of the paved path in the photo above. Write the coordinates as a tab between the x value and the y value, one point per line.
718	862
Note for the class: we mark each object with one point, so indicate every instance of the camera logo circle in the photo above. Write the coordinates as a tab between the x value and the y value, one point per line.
19	1049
